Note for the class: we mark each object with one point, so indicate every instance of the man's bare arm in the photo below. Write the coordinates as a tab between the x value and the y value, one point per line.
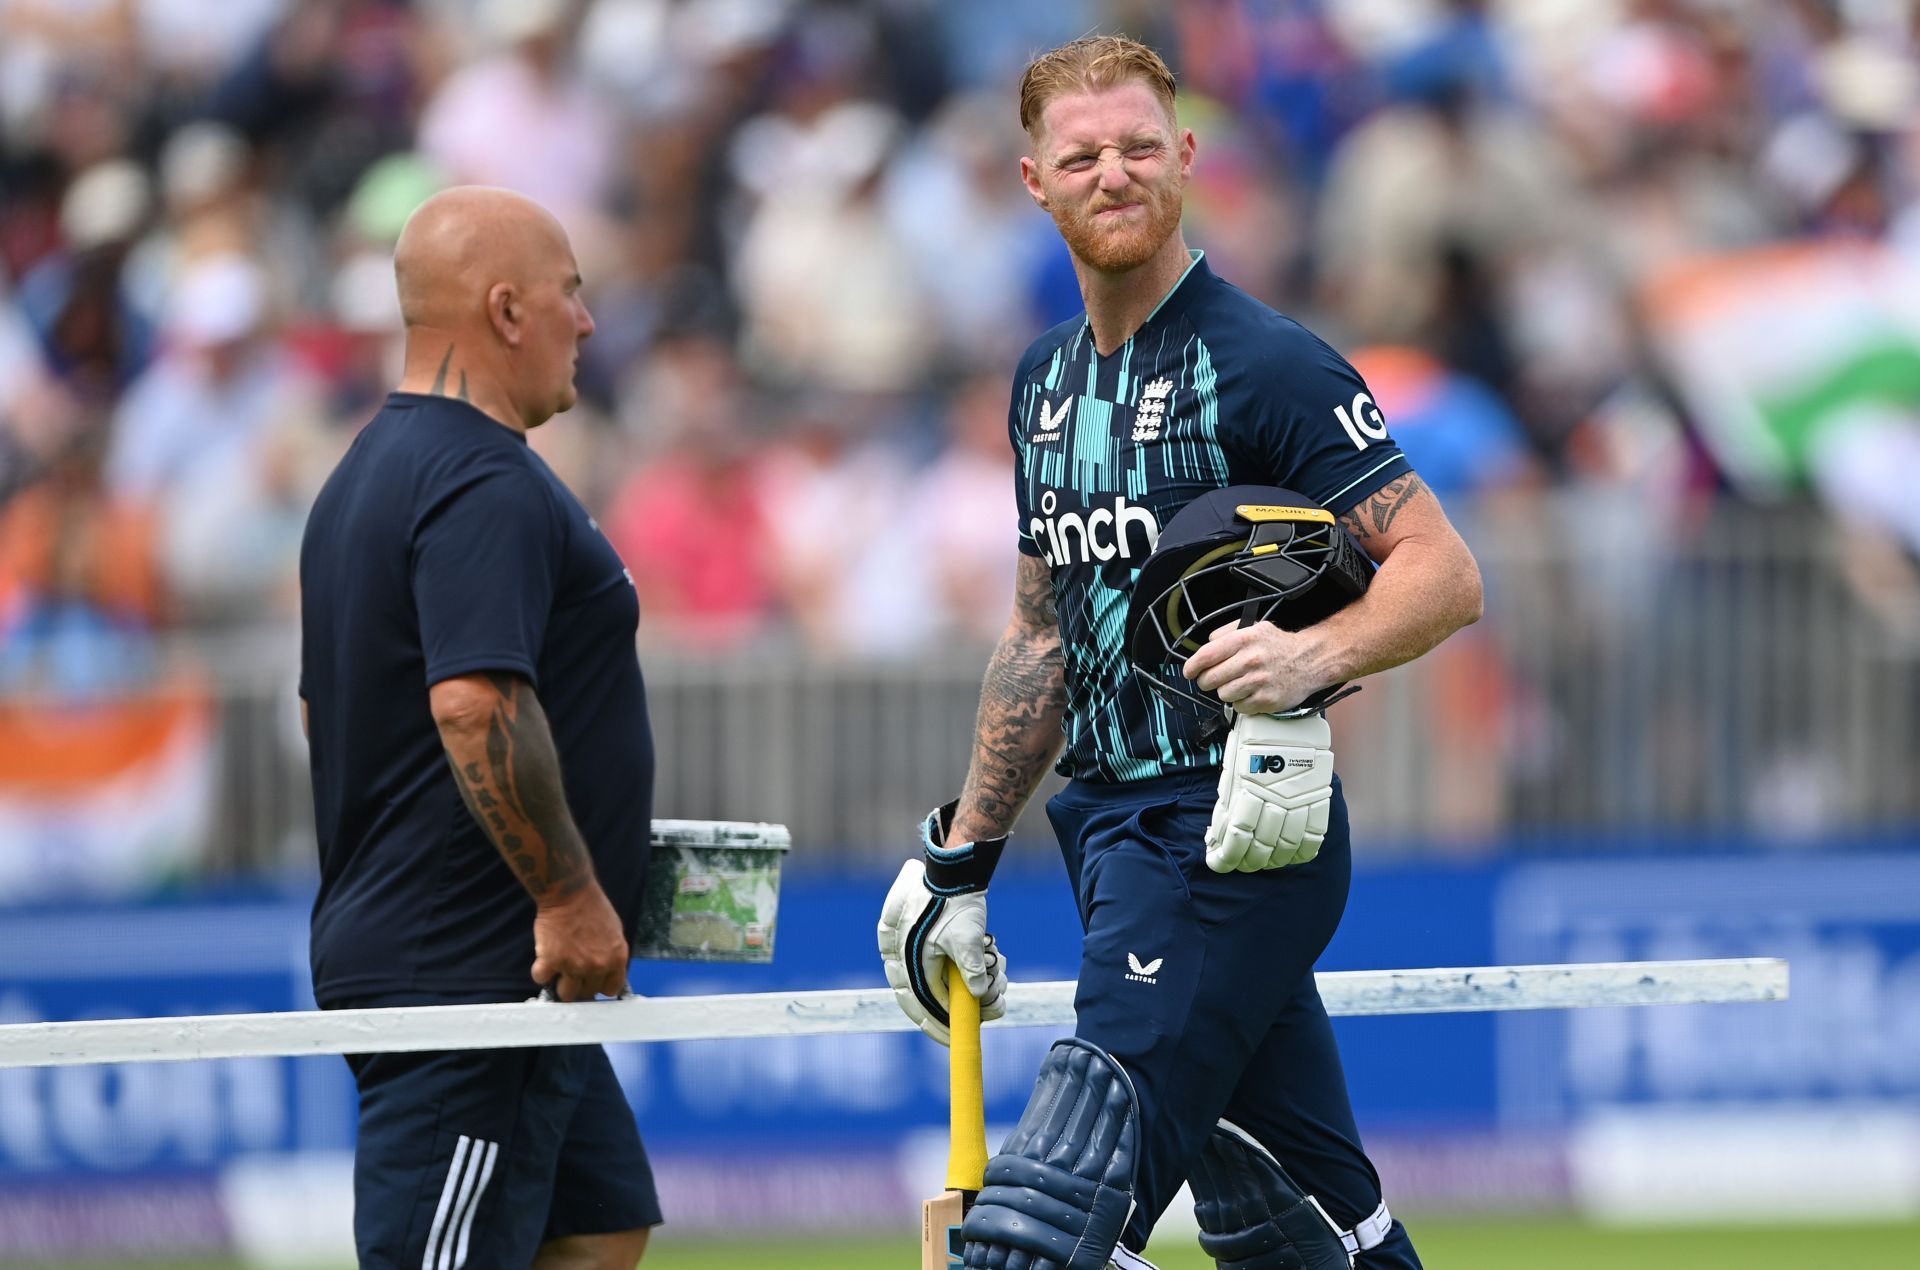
1427	588
508	771
1428	585
504	762
1022	702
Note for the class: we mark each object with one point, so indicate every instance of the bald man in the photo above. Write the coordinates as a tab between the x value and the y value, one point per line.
482	763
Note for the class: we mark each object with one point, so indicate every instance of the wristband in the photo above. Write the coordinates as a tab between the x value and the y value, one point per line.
962	870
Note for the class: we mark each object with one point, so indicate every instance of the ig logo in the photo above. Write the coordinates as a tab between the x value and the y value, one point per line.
1365	421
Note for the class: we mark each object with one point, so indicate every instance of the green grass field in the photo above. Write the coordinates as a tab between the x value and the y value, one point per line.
1444	1245
1511	1245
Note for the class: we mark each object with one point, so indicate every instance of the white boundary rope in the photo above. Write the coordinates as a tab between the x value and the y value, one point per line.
449	1027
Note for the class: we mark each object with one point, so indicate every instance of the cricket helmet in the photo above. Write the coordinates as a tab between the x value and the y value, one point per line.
1246	553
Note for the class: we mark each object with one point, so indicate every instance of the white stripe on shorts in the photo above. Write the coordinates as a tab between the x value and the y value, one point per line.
473	1204
446	1200
467	1177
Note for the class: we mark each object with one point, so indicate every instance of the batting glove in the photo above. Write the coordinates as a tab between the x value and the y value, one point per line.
1276	794
936	912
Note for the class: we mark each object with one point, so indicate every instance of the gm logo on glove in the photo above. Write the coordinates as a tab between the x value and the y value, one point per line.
1275	800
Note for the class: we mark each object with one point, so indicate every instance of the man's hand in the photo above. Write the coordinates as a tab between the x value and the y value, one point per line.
936	912
578	946
1258	669
1276	794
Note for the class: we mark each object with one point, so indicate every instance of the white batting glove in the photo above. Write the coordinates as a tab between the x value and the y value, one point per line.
936	912
1276	794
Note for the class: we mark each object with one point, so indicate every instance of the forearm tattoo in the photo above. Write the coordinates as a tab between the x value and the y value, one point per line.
1370	520
510	780
1022	700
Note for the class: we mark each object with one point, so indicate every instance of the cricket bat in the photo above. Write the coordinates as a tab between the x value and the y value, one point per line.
940	1217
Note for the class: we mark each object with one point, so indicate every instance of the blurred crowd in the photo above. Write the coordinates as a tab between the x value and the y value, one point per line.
813	267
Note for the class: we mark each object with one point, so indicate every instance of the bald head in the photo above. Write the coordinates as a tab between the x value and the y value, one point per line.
462	242
490	294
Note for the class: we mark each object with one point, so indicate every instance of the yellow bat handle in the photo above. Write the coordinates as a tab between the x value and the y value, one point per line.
967	1116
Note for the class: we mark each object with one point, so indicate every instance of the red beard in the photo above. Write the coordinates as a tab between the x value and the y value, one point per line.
1118	248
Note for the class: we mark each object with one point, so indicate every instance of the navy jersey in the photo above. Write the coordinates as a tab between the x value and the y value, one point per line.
443	545
1214	389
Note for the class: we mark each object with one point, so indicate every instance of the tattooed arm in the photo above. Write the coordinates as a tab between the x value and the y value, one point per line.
936	910
1428	587
504	762
1022	703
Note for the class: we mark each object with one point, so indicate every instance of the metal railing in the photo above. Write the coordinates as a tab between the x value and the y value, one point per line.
1628	676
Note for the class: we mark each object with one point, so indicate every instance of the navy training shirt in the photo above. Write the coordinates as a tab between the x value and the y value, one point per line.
1214	389
441	546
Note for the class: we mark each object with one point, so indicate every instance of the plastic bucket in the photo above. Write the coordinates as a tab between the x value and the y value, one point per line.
713	891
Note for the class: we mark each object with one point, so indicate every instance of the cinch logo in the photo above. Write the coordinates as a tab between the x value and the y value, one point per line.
1143	974
1101	534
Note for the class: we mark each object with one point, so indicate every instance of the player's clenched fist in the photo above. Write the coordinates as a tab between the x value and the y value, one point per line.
936	912
579	948
1276	794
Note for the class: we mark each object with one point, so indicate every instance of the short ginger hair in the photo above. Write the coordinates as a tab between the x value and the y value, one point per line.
1090	64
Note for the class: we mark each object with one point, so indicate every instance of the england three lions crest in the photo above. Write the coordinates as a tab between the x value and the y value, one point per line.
1151	413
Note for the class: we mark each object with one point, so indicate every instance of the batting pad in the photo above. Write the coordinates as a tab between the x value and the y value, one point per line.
1058	1193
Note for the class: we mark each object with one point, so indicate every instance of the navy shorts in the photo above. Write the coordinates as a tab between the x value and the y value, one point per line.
1201	984
474	1158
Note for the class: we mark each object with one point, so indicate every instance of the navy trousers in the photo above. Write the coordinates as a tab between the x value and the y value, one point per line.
1201	985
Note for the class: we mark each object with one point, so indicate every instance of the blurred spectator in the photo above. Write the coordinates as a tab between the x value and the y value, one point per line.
1426	203
846	535
39	419
827	289
661	59
58	114
358	353
1242	207
1468	447
181	44
519	118
1282	69
77	298
206	209
1458	435
210	434
952	199
1643	257
969	518
689	521
988	42
79	592
354	346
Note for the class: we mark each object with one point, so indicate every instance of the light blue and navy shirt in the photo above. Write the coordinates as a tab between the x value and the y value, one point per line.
1215	389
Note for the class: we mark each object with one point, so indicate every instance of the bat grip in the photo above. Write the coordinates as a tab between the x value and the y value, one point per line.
967	1120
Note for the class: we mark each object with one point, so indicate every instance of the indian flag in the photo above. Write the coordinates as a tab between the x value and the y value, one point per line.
103	799
1800	362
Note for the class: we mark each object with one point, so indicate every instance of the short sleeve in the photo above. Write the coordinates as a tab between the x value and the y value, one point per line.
1017	438
485	559
1321	434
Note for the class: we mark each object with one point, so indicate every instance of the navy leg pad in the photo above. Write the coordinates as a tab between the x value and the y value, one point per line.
1253	1216
1058	1193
